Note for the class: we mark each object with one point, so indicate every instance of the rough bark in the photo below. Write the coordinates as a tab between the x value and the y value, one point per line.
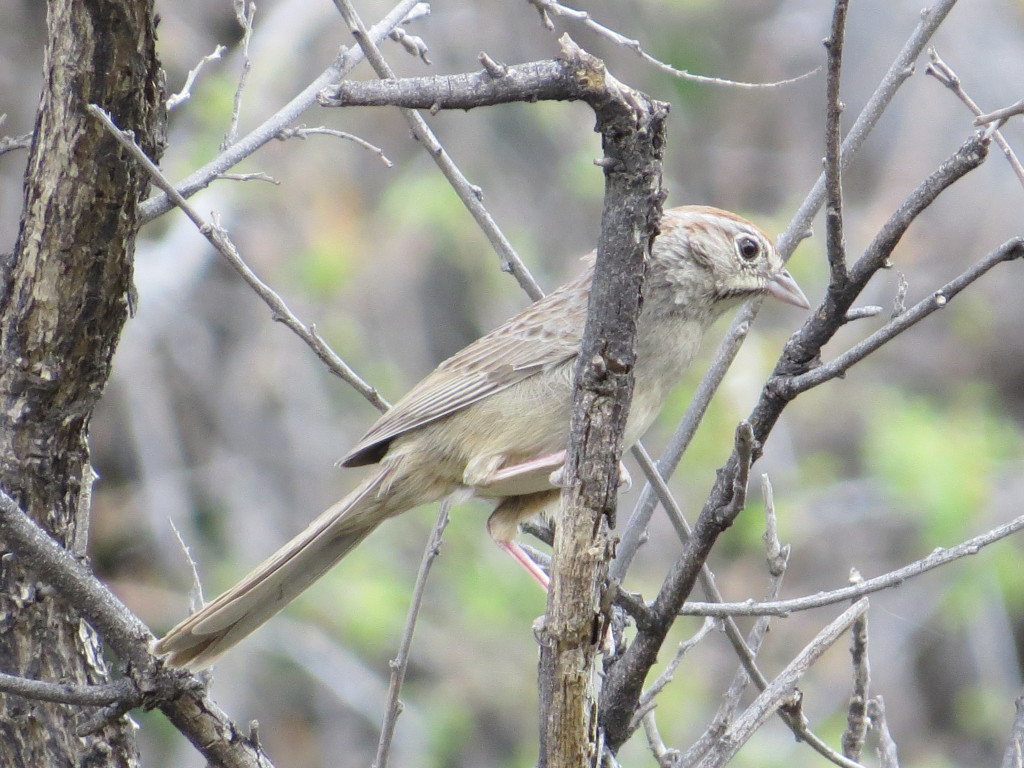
64	297
632	128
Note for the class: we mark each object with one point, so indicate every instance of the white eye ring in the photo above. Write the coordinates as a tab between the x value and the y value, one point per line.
748	247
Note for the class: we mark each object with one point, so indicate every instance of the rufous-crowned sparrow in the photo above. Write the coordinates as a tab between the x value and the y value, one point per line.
494	418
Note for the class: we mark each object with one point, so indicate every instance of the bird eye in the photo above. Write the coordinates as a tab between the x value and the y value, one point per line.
748	247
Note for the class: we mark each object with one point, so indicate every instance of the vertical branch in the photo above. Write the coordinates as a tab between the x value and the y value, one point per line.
632	129
834	240
401	662
64	299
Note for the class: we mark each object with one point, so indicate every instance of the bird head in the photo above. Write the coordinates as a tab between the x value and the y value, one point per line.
710	260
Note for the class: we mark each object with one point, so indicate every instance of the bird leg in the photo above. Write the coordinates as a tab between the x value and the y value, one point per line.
491	479
527	562
541	474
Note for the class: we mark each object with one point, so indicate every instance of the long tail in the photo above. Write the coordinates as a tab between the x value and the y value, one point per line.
198	640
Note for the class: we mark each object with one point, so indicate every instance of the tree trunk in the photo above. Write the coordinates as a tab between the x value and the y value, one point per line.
64	297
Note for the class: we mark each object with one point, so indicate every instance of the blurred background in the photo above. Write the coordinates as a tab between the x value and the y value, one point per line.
222	424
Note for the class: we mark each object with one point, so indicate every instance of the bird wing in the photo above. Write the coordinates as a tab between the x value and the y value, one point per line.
545	334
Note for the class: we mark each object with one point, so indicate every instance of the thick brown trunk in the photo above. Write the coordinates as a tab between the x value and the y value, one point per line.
63	301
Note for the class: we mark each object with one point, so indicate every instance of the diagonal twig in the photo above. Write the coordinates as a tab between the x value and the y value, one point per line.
345	62
776	694
935	559
220	240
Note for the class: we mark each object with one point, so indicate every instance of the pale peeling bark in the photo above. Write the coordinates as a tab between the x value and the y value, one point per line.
64	295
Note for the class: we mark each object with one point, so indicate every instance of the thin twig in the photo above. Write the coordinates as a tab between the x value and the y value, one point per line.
889	580
1001	115
301	132
185	93
11	143
780	689
393	706
217	237
776	556
799	228
835	244
856	715
546	7
256	176
837	367
666	757
195	594
942	72
862	313
245	12
648	697
346	61
468	193
120	691
887	757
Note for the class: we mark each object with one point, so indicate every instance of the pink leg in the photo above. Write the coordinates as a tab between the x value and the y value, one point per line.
607	642
526	561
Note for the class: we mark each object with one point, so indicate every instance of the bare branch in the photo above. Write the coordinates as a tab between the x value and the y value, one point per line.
245	12
1001	115
799	228
623	678
119	691
268	130
301	132
889	580
177	694
887	757
547	80
803	349
217	237
942	72
1013	757
789	387
667	758
547	7
179	98
780	689
835	243
856	716
468	193
400	663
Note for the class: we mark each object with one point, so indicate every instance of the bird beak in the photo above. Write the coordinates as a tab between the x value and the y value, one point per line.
783	287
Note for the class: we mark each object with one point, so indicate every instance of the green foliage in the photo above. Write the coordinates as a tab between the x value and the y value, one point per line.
942	459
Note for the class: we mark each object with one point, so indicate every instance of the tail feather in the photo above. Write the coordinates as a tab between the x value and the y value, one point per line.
198	640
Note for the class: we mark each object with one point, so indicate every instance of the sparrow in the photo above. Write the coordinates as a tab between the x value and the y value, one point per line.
493	419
